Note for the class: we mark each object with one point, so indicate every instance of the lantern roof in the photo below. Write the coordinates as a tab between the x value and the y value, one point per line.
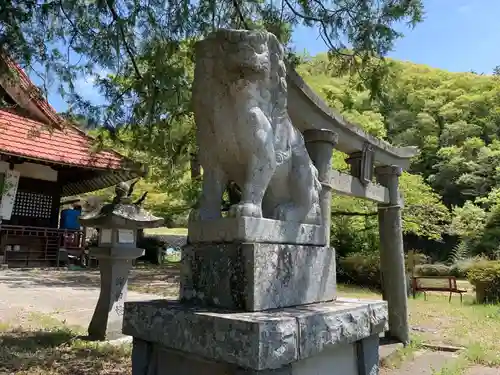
122	213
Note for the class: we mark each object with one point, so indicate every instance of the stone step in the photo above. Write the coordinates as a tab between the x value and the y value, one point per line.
388	349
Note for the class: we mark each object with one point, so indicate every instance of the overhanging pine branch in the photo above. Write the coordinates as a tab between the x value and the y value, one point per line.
116	18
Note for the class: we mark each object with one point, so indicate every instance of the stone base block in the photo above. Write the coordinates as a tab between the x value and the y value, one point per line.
257	276
340	335
252	229
344	359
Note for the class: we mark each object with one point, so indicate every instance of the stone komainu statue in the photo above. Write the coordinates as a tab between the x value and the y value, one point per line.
244	132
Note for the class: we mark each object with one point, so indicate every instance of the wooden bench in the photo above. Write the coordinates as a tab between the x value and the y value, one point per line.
436	284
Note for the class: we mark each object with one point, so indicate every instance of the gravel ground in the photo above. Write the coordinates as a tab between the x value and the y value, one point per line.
25	292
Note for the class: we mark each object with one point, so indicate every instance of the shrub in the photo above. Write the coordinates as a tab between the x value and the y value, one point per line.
364	269
489	241
460	252
436	269
415	260
461	267
485	276
153	248
360	269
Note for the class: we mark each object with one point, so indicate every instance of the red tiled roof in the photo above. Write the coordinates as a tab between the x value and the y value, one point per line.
30	89
64	143
25	137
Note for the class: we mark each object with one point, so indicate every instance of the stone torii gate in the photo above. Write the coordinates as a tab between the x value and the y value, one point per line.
325	130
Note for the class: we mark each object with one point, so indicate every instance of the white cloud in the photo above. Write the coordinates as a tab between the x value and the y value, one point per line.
86	86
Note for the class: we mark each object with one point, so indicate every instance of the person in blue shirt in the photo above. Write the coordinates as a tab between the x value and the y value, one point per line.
69	217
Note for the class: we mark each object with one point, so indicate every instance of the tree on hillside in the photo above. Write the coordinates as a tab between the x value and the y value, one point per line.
139	55
355	224
454	118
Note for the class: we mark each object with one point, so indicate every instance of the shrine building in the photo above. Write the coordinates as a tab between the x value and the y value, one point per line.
43	159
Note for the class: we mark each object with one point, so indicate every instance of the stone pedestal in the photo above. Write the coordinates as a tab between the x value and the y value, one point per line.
258	295
257	276
336	338
255	230
251	307
114	267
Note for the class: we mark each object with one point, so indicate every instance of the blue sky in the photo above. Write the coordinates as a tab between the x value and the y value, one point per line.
456	35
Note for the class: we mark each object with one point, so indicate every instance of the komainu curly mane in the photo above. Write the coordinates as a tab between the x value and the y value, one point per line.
244	132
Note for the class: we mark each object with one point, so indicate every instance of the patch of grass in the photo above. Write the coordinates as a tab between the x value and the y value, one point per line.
457	367
396	359
352	291
46	346
482	353
436	321
161	280
164	231
173	258
39	320
475	327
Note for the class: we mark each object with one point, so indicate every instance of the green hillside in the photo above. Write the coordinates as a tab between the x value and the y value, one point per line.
451	188
454	118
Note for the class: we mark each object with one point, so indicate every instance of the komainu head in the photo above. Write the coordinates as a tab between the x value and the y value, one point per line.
253	56
241	52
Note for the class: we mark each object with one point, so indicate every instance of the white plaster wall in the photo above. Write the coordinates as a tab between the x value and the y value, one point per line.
336	360
32	170
11	182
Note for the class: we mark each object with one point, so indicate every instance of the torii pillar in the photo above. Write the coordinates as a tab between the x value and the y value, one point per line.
392	261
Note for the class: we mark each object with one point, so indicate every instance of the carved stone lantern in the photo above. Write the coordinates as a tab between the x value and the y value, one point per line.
117	224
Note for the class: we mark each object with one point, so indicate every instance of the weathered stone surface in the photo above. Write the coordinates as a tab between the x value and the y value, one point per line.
259	230
334	360
392	258
244	133
162	361
238	338
157	360
253	277
368	356
320	145
171	362
260	340
321	325
108	313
